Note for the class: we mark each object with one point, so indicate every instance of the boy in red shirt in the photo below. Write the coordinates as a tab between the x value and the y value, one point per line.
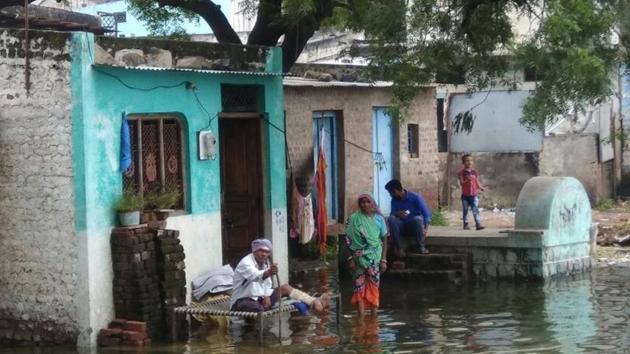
469	182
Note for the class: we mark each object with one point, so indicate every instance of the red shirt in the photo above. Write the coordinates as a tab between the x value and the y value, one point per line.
469	182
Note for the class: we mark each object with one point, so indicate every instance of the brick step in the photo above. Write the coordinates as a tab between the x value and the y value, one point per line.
435	261
415	274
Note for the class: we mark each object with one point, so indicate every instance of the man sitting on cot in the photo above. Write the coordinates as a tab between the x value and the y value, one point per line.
253	289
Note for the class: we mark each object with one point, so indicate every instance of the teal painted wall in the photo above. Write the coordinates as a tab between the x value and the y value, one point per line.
99	99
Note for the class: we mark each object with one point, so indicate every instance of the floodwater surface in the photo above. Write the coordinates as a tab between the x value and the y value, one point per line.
585	315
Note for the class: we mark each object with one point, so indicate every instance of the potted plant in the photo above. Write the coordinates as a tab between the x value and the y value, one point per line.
128	207
159	203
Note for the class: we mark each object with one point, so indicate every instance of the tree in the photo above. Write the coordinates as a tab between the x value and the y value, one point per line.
469	42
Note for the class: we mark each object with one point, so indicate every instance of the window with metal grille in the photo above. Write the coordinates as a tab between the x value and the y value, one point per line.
413	145
241	98
156	143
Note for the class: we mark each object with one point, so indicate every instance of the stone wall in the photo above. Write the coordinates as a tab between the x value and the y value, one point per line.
502	174
354	106
38	246
576	155
179	54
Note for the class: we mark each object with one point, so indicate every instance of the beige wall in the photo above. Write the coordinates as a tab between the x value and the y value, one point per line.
576	155
355	124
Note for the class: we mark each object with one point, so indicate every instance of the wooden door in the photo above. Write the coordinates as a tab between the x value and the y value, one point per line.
241	186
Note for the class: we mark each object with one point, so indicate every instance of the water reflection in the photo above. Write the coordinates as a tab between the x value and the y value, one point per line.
583	315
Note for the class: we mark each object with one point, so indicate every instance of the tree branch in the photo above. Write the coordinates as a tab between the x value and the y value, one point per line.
294	42
211	13
268	27
296	37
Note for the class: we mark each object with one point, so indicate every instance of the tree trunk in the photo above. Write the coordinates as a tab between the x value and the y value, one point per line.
294	42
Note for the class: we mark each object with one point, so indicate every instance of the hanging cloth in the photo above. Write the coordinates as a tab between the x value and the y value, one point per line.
125	144
307	222
320	186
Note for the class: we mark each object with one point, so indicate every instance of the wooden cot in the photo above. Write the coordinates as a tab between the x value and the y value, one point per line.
220	306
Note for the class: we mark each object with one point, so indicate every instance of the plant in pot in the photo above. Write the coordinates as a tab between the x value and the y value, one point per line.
159	203
128	207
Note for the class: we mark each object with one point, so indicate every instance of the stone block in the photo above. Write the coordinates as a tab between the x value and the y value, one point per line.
136	326
134	336
159	58
102	57
108	341
193	62
130	57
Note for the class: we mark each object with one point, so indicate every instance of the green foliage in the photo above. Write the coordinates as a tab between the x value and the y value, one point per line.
471	43
605	204
439	218
573	53
129	201
465	42
162	21
161	199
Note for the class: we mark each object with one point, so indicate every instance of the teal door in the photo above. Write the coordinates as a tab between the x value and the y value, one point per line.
324	125
382	142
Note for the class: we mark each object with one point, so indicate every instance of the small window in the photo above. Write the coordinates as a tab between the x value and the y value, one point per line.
413	135
156	145
442	133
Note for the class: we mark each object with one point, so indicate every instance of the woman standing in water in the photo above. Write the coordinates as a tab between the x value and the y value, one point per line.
366	233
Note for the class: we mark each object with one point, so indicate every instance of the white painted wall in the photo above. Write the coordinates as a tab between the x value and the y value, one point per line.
497	127
200	235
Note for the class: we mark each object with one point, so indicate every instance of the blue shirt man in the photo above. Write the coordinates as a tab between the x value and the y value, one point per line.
409	215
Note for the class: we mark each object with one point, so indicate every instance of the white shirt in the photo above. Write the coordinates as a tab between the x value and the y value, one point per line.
248	280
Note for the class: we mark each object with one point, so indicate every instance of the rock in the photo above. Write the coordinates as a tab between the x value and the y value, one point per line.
130	57
349	77
193	63
319	76
220	64
101	56
159	58
256	67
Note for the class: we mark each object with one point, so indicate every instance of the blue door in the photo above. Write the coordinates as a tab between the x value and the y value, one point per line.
382	142
324	124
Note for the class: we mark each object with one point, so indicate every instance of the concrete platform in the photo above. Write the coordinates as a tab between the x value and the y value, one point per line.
446	235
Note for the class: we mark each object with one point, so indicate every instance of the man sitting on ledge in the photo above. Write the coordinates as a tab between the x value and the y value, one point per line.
409	215
253	289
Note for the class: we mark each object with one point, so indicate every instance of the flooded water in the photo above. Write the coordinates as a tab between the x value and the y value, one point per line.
584	315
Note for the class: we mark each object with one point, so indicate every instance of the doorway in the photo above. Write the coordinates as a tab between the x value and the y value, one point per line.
324	126
241	185
383	145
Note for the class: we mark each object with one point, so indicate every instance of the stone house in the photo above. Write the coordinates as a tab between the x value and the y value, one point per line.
364	147
61	121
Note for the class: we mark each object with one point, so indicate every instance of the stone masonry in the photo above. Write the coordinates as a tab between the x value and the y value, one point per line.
356	168
38	244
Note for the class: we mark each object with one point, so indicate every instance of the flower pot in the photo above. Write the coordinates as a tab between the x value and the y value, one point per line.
129	218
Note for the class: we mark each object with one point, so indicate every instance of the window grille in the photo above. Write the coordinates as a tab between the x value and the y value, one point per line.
156	143
241	98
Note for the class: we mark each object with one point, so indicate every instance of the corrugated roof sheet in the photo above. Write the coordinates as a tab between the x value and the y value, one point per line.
298	81
202	71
